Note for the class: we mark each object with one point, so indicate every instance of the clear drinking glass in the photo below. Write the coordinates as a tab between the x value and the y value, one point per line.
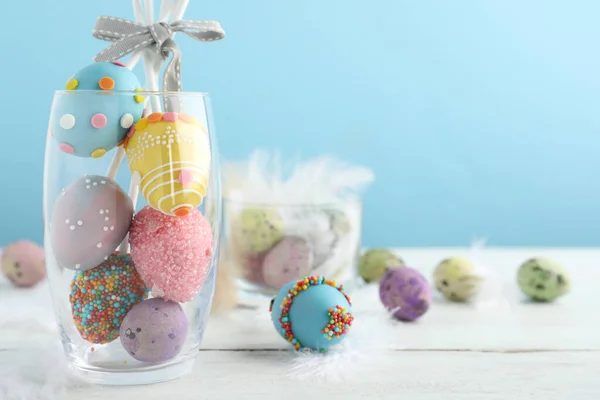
91	238
269	245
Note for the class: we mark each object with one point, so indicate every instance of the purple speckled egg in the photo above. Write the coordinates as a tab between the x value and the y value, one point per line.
90	219
23	263
154	330
405	293
289	260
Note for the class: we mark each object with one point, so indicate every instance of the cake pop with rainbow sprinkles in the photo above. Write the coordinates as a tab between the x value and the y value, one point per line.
101	297
93	127
313	313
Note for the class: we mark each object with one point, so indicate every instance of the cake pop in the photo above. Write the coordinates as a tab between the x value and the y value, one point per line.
90	219
100	298
93	127
405	293
154	330
543	279
171	152
172	254
23	263
312	313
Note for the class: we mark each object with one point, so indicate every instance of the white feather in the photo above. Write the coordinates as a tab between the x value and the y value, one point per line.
491	294
266	178
35	374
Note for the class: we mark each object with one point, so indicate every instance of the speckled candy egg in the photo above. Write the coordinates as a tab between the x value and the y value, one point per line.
172	254
90	219
154	330
23	263
256	230
312	313
91	124
339	221
289	260
543	280
456	279
373	264
100	298
405	293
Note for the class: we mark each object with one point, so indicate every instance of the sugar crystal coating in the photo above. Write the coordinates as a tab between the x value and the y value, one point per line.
172	254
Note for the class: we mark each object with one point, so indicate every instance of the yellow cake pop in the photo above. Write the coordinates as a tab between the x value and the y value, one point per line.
171	152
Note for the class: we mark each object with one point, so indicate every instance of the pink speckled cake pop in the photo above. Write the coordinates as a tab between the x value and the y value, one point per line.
154	330
90	218
405	293
172	254
23	263
289	260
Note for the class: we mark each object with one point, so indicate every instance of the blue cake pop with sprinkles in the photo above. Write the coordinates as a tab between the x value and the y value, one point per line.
92	125
313	313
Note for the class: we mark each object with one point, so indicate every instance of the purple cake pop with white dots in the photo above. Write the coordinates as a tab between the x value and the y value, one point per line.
405	293
90	219
91	126
289	260
154	330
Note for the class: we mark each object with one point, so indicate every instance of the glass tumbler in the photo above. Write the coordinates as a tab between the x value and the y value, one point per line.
269	245
132	213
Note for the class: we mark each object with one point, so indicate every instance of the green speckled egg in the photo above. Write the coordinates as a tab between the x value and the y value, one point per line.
340	223
542	279
256	230
375	262
456	279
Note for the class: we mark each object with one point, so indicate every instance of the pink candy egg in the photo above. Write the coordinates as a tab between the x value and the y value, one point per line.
90	219
289	260
172	254
23	263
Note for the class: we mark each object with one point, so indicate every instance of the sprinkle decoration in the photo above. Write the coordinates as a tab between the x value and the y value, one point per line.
101	297
340	321
338	315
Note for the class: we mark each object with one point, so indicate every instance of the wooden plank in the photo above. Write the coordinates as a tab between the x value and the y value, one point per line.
429	375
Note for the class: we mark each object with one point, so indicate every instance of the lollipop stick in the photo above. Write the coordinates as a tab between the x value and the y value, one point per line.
115	163
179	9
166	7
134	191
134	59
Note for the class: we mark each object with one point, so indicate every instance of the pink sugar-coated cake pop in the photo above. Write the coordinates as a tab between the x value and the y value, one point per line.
23	263
172	254
289	260
90	219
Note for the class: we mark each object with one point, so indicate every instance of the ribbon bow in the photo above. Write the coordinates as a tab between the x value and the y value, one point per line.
128	37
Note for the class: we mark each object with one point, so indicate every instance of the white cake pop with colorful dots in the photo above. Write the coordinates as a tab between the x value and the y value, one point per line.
93	127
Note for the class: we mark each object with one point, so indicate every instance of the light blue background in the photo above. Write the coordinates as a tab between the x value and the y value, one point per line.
479	118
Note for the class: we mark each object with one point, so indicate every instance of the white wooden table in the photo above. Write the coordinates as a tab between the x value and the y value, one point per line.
498	348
